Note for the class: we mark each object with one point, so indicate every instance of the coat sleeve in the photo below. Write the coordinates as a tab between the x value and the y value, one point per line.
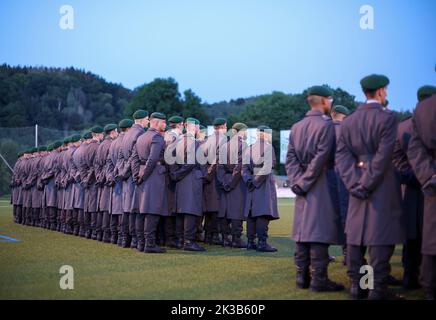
292	165
345	161
402	165
157	144
135	163
324	150
373	174
420	158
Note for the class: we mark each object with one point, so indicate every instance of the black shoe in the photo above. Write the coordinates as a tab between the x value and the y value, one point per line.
176	244
134	242
303	278
216	239
125	242
237	242
384	295
120	240
141	246
357	293
94	235
88	234
251	245
263	246
106	237
325	285
99	236
192	246
68	230
392	281
199	237
76	231
152	247
114	239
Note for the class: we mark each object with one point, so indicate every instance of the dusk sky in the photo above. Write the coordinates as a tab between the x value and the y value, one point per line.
229	49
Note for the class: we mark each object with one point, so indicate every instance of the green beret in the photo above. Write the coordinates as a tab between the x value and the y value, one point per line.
219	121
158	115
96	129
19	154
341	109
167	128
87	135
192	120
140	114
56	144
126	123
202	127
109	127
33	150
263	128
374	82
426	92
75	138
321	91
66	140
238	126
175	119
42	148
50	147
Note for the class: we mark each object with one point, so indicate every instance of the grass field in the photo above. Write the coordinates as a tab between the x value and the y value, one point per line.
29	269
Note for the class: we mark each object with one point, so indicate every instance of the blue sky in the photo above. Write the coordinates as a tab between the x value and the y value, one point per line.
229	49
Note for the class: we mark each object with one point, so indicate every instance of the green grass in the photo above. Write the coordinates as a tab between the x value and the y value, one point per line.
29	269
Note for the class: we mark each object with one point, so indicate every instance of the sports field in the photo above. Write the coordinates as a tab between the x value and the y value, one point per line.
29	268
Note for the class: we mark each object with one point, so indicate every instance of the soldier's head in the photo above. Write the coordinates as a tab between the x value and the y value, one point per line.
375	87
97	133
141	118
264	133
75	140
240	129
320	98
425	92
220	125
158	121
111	130
201	135
125	125
339	113
192	126
176	123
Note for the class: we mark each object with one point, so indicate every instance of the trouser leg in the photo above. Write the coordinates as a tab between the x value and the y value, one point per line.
93	224
35	216
75	222
150	227
225	231
81	220
355	260
132	224
170	224
69	222
319	261
19	214
237	227
140	230
251	229
114	227
302	263
428	272
379	257
105	226
87	222
190	227
180	220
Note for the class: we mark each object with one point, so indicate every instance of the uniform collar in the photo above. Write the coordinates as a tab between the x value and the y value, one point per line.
371	105
314	113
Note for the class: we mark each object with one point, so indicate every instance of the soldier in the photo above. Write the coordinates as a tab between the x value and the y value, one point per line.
80	172
261	201
341	196
309	159
28	180
50	192
36	186
422	157
212	191
102	227
16	188
188	174
168	223
149	171
114	181
129	217
374	217
234	190
89	178
70	191
412	197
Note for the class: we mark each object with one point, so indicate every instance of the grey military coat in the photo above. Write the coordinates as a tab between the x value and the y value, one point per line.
364	156
51	167
88	173
100	163
149	174
422	157
262	201
309	158
113	179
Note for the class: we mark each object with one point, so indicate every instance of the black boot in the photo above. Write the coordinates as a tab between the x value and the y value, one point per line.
126	241
134	242
120	240
94	235
251	245
263	246
357	293
237	242
114	238
141	245
383	293
411	280
216	239
392	281
175	243
82	232
152	247
68	229
88	234
106	237
76	230
321	283
199	237
303	277
192	246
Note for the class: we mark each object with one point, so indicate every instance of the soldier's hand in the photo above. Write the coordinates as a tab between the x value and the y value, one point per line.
429	188
298	191
360	192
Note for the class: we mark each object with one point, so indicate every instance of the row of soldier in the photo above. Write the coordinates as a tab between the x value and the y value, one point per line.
368	183
113	184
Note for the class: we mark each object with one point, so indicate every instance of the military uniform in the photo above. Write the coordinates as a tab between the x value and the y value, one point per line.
261	201
316	224
412	205
50	190
422	157
149	172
